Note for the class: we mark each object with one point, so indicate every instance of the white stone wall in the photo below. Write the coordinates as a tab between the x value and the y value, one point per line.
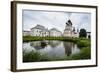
35	32
38	32
67	34
55	33
26	33
68	31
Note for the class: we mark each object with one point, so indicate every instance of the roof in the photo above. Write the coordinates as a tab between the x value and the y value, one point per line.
40	27
55	29
88	32
26	31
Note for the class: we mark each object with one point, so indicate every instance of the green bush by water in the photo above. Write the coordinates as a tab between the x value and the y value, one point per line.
85	53
83	43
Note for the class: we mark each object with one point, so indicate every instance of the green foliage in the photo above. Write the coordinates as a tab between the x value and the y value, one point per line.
31	38
31	56
83	43
85	53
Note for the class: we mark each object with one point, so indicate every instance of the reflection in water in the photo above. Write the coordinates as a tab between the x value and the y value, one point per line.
54	44
52	48
68	47
43	44
38	44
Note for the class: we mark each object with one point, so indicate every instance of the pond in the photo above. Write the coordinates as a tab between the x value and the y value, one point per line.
52	48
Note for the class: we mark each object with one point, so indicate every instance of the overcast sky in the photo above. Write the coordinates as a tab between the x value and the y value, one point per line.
55	19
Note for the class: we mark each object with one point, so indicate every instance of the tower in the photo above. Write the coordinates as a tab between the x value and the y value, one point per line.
68	29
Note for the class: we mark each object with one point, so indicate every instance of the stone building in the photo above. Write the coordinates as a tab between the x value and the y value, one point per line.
55	33
26	33
70	30
39	30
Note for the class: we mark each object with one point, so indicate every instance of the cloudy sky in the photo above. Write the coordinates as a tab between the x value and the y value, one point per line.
55	19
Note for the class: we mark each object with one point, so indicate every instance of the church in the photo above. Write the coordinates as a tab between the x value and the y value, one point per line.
41	31
69	30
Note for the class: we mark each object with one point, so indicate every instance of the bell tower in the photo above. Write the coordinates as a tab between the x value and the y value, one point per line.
68	29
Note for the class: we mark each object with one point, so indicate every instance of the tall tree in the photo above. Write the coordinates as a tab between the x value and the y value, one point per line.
82	33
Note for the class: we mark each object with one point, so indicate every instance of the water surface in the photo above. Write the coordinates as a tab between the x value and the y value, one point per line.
52	48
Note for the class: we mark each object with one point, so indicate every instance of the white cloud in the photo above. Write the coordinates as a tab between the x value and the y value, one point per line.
55	19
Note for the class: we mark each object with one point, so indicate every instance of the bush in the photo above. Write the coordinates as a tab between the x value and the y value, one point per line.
31	56
85	53
34	56
83	43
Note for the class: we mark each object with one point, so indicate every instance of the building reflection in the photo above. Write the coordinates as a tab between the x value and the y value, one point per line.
68	48
42	44
54	44
38	45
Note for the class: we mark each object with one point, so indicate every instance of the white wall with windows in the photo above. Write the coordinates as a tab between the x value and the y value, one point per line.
55	33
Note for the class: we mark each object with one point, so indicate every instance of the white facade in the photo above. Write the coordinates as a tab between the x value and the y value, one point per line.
55	33
75	35
68	29
26	33
69	32
39	31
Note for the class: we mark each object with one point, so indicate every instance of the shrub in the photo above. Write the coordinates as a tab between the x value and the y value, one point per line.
83	43
34	56
31	56
85	53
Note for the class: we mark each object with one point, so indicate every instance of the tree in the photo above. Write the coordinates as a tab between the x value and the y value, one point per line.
82	33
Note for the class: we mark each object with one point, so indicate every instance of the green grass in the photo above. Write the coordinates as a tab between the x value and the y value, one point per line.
31	38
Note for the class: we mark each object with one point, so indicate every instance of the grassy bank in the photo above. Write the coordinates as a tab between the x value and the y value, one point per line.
30	38
81	42
85	53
